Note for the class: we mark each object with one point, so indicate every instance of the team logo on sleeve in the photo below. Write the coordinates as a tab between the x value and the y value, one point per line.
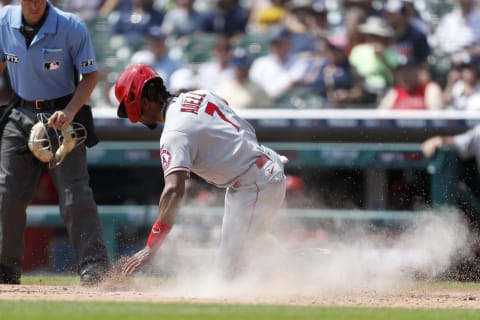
87	63
11	58
166	157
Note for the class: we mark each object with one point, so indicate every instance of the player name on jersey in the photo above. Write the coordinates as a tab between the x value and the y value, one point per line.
191	102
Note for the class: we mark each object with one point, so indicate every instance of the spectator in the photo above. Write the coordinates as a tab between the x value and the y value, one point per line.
354	17
307	16
306	19
183	19
463	88
267	13
135	19
157	55
4	3
374	59
356	13
319	55
336	80
415	18
182	80
108	7
458	32
408	40
365	5
466	144
241	92
85	9
228	18
280	70
410	91
219	70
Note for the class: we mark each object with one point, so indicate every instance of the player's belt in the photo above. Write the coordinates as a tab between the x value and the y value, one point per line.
39	104
261	161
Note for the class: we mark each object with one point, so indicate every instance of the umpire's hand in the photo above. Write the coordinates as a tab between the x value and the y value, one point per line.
137	261
60	119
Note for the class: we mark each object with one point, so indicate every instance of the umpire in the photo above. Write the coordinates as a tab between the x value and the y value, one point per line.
45	50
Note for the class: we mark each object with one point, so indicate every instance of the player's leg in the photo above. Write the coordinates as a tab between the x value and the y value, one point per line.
269	202
249	213
271	181
19	174
79	212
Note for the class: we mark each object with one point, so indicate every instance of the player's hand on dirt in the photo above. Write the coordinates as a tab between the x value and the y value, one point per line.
430	146
60	119
137	261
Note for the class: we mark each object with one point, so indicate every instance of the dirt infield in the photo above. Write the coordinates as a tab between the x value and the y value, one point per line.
406	298
360	271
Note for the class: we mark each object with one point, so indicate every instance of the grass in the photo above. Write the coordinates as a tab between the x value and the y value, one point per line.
47	279
72	310
449	285
138	311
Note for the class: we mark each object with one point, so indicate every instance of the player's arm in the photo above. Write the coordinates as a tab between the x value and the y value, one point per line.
2	67
430	146
62	118
168	209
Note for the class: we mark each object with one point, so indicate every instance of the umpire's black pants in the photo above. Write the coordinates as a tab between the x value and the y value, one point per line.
20	172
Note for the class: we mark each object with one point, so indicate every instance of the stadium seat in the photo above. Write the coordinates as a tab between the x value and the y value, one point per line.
255	43
300	98
199	48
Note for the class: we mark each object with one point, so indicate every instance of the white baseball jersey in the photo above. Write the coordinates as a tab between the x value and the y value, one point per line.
204	135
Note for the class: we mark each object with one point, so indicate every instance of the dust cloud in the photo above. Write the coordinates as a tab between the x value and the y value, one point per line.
359	261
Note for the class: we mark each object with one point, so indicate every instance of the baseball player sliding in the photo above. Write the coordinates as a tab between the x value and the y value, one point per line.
202	134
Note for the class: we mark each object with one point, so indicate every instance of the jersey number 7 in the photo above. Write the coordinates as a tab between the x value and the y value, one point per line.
212	108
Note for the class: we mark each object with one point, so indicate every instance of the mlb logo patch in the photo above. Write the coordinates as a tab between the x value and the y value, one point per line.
54	65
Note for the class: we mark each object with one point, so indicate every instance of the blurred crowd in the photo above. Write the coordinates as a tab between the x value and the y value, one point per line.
391	54
376	54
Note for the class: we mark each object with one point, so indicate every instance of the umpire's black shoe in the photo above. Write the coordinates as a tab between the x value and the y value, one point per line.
92	274
8	276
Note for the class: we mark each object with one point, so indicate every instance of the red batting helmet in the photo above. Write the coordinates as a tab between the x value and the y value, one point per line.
128	90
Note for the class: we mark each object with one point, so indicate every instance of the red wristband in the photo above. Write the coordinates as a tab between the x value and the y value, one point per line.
157	234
